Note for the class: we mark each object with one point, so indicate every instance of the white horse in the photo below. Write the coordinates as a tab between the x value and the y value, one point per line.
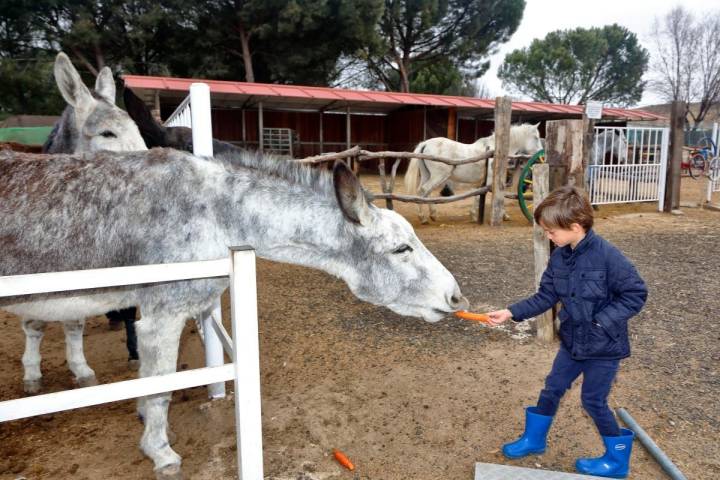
524	138
91	122
611	141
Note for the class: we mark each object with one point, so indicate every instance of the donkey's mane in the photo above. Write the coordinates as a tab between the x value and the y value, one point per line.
317	179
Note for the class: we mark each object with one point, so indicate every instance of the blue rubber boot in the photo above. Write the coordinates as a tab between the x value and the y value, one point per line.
616	461
532	440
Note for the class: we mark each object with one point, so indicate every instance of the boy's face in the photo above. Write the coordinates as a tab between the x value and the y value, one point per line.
562	237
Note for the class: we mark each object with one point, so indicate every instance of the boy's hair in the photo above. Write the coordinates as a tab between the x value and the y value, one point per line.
563	207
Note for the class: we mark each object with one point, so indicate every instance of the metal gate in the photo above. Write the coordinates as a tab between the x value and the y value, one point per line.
628	164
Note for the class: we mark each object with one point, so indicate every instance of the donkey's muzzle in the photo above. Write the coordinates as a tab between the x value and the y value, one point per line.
457	301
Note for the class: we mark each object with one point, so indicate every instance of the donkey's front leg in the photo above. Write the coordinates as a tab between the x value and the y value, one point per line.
84	375
158	342
34	331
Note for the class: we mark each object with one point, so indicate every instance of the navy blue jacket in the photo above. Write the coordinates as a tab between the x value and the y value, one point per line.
599	290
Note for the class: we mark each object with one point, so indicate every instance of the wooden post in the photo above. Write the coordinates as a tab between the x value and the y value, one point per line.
354	164
564	152
541	248
244	131
347	128
503	111
452	123
321	132
156	112
424	122
588	139
261	140
677	139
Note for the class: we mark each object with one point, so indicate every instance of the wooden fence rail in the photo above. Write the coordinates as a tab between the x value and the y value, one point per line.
358	154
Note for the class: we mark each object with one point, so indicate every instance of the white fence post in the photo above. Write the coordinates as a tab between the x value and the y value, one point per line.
194	112
246	358
201	119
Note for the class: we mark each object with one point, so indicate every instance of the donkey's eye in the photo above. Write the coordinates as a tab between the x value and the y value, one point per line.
108	134
402	249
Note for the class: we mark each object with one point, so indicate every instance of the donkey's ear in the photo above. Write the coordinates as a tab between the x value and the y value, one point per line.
350	194
71	86
536	125
105	85
152	132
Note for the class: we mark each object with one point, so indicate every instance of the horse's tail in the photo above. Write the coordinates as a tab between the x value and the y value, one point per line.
413	171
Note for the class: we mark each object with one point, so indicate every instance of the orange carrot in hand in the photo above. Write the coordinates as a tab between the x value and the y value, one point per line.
344	461
475	317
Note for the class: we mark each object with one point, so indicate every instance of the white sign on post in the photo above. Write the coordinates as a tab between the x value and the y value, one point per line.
593	110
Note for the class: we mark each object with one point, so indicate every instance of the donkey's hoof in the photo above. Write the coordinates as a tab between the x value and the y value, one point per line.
424	221
32	387
171	472
89	381
134	364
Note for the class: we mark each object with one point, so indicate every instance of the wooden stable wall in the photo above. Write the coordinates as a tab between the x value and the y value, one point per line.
365	130
400	130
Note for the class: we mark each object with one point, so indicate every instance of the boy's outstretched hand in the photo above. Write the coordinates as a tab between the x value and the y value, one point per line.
499	316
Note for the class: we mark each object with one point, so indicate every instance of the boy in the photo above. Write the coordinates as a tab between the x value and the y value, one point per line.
599	290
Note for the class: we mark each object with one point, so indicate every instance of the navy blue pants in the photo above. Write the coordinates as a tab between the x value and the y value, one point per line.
598	376
127	316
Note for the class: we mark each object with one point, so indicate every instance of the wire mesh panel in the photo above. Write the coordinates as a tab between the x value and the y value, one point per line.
279	141
627	164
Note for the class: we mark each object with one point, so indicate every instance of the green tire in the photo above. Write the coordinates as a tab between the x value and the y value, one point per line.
524	188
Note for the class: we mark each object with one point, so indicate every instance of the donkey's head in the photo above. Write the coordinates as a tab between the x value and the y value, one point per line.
525	138
98	123
386	262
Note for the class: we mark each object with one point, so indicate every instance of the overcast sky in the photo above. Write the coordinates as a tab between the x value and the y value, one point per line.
544	16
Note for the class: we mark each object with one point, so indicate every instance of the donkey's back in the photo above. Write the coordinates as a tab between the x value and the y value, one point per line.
64	212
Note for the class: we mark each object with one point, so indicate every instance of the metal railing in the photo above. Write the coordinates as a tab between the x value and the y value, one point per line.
628	164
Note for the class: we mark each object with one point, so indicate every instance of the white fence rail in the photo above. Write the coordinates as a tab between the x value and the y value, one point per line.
194	113
628	164
242	347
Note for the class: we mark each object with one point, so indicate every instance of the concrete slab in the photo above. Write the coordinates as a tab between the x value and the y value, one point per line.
491	471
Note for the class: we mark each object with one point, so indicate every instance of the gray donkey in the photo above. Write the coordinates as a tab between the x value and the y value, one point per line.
159	206
90	122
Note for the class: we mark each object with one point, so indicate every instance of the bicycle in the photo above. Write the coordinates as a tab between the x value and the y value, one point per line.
699	158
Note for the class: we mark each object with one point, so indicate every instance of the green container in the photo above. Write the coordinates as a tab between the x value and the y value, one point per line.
25	135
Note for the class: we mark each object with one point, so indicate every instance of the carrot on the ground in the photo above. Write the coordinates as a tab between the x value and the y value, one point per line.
344	461
475	317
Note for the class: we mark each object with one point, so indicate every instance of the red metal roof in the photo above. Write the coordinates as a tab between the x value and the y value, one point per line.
316	98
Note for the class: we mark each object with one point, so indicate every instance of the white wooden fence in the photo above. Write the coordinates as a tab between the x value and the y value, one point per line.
242	347
627	165
714	168
194	113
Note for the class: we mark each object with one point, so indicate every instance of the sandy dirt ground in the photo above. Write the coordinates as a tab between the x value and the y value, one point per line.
402	398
